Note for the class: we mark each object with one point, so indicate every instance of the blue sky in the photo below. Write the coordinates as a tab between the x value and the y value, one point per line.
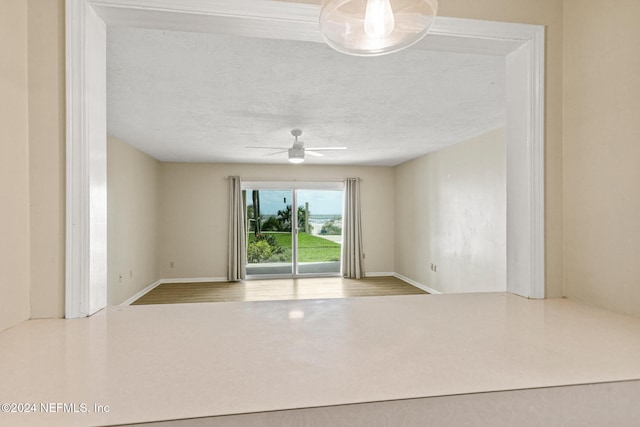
321	202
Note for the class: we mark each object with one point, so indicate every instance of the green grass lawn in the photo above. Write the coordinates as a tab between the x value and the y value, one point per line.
310	248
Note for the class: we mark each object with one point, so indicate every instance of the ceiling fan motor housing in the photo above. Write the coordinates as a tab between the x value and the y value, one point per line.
296	153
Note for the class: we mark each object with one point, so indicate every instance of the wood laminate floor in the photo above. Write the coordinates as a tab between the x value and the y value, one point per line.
277	289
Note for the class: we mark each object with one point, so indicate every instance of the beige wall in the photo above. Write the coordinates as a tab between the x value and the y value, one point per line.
602	153
451	211
133	225
47	156
194	214
14	165
193	221
466	181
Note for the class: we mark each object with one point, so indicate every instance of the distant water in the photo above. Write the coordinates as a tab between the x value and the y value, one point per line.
318	221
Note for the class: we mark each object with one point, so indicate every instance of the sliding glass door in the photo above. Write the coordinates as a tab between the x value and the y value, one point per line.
319	231
269	228
293	231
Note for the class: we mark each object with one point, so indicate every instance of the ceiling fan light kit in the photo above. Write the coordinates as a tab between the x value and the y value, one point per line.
297	152
296	155
375	27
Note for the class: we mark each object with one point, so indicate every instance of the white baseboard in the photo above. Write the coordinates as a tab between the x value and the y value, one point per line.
195	280
416	284
142	292
378	274
403	278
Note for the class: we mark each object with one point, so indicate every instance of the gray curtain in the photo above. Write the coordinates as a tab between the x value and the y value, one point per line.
237	234
352	255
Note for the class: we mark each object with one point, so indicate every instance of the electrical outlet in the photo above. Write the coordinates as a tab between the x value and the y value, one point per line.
120	278
171	264
130	274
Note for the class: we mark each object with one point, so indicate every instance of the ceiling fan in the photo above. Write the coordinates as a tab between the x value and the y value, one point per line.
297	151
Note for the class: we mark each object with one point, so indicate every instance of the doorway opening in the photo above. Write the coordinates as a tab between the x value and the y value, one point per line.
292	230
87	23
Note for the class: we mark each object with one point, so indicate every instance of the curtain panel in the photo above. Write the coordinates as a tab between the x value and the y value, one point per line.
352	254
237	234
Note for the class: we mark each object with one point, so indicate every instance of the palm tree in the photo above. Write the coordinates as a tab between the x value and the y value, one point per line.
255	197
284	216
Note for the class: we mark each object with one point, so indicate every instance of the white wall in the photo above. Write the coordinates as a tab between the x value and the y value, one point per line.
195	213
133	203
450	209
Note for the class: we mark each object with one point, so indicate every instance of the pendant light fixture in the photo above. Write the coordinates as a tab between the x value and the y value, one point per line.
375	27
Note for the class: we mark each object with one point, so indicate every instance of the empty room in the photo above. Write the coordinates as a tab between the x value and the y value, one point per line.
422	133
319	212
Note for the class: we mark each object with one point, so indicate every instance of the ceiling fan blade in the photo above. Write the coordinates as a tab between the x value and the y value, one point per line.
325	148
271	148
312	153
277	152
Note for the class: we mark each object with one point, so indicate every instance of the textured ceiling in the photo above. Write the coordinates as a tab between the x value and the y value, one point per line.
196	97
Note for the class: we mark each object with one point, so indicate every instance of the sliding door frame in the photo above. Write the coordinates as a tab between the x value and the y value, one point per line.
294	187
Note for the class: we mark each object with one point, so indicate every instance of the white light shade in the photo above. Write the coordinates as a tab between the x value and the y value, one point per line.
296	155
375	27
